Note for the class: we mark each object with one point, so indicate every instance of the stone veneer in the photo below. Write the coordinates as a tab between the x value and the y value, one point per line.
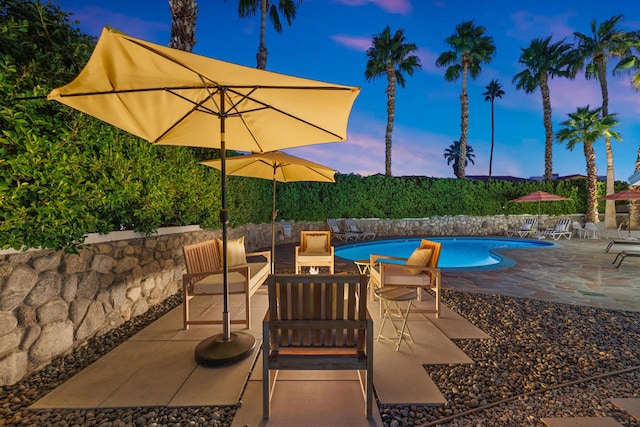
52	302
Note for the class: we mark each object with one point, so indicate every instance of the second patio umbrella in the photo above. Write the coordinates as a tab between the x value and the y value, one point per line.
540	196
276	166
624	195
168	96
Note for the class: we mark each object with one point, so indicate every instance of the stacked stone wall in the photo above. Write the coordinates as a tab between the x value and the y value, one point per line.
52	302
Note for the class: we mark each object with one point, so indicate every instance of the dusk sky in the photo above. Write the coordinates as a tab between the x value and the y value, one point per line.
328	41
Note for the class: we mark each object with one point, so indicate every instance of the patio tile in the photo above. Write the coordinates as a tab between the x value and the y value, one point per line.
630	405
581	422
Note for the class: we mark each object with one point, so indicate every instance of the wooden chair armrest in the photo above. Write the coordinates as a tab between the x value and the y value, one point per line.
374	258
434	272
265	254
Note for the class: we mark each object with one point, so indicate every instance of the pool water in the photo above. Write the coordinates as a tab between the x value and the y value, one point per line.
457	252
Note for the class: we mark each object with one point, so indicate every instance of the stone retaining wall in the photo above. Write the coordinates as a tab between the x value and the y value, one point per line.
51	302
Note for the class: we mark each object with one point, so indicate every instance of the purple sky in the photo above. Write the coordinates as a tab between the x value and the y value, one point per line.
328	41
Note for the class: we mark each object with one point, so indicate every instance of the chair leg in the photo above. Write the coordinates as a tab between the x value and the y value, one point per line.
266	386
185	308
247	305
622	256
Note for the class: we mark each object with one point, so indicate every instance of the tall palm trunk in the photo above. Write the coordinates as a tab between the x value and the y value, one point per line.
183	24
610	205
548	127
261	56
592	205
464	122
492	136
391	113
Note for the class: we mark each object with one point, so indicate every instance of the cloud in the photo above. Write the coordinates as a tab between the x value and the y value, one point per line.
401	7
528	26
360	44
428	60
93	19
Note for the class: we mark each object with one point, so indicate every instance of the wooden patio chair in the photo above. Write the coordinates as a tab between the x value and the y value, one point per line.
315	250
317	322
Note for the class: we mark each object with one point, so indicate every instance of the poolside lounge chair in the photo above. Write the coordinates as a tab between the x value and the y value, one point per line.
561	229
315	250
351	227
338	233
625	241
420	271
528	227
622	255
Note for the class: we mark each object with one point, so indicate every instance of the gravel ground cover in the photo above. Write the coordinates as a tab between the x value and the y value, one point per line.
543	360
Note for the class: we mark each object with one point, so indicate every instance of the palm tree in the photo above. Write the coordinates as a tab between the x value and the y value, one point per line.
632	61
391	56
544	60
183	24
587	126
471	48
629	63
493	91
288	8
604	42
452	154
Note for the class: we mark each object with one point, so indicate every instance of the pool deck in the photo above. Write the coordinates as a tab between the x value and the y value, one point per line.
576	271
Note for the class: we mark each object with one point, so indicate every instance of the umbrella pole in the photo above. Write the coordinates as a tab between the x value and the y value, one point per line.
225	348
274	214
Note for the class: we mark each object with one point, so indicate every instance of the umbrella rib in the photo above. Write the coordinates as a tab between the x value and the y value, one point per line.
271	107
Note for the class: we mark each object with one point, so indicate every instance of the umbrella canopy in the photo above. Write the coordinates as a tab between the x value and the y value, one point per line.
623	195
168	96
540	196
628	195
276	166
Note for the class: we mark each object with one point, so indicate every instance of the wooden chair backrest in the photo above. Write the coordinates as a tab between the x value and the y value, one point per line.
305	234
317	311
202	257
435	251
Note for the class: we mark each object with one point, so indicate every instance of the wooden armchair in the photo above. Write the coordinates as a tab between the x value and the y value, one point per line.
204	275
317	322
315	250
427	276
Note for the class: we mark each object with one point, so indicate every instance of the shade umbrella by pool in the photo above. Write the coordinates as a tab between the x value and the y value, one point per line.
540	196
627	195
276	166
168	96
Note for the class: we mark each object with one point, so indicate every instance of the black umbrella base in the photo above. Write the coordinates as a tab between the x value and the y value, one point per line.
216	351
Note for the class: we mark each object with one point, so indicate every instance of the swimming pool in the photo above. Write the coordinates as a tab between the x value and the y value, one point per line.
465	253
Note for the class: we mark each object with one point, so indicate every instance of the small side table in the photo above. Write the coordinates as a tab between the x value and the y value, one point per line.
391	297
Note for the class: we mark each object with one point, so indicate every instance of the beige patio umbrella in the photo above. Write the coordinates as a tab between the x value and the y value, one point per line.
540	196
276	166
169	96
